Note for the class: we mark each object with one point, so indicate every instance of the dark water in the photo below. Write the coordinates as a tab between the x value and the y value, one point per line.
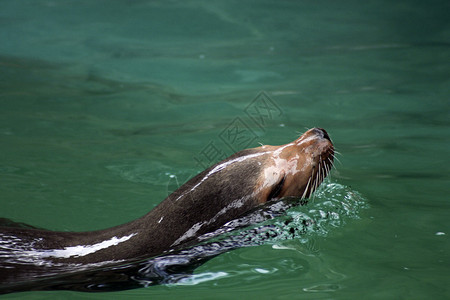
107	106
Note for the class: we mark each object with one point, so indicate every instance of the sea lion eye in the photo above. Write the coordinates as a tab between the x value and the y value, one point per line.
276	190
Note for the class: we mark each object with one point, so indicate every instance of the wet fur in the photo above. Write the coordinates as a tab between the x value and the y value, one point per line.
177	222
152	238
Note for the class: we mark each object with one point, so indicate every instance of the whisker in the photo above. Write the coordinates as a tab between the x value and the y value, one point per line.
316	184
337	159
334	154
319	166
330	160
316	181
330	164
313	183
328	169
324	166
306	189
321	174
324	174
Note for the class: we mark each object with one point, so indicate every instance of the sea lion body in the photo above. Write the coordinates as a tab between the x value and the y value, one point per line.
224	192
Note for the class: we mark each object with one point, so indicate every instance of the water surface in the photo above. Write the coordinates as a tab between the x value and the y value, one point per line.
106	107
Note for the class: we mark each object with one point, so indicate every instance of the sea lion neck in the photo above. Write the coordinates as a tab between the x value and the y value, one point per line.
217	195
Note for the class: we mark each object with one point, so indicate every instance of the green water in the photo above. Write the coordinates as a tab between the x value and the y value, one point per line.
106	105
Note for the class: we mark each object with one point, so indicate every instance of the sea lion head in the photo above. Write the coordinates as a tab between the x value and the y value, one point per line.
258	175
297	168
237	185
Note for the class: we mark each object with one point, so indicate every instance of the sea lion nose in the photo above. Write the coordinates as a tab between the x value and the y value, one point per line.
322	133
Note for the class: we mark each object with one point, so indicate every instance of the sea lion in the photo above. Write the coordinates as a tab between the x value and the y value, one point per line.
224	192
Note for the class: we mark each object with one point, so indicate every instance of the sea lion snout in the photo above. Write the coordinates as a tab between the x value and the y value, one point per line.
318	132
322	133
296	169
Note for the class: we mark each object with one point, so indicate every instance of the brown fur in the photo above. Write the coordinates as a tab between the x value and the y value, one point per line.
223	192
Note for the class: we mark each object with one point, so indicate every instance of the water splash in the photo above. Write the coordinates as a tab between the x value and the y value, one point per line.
334	205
